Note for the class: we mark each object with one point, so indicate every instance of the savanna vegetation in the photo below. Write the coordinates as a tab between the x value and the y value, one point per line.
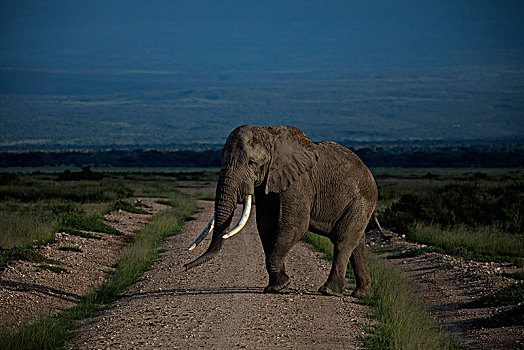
476	215
451	154
34	206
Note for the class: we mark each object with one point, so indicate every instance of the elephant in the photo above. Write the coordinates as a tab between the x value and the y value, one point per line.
298	186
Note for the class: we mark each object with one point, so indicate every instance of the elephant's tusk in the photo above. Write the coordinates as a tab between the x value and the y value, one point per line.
204	233
243	219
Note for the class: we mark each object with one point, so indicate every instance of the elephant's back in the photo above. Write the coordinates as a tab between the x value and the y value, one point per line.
339	155
343	169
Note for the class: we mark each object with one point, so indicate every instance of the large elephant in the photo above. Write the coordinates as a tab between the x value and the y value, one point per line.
299	186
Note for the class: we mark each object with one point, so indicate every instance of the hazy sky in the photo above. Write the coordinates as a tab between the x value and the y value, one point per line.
259	35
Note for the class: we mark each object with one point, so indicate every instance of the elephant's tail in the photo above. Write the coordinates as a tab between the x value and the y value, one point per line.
382	232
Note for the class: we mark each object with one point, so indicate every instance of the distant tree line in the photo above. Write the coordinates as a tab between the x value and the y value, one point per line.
114	158
466	158
456	157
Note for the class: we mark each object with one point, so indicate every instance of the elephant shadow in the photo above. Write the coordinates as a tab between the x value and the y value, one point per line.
180	292
198	291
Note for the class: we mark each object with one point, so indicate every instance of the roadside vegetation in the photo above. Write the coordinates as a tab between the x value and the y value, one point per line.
33	206
403	322
509	296
474	215
62	213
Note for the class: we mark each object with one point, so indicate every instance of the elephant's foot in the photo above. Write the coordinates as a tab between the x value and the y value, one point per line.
279	290
279	286
326	290
361	293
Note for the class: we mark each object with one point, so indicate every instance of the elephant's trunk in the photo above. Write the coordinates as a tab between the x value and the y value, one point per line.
225	203
243	220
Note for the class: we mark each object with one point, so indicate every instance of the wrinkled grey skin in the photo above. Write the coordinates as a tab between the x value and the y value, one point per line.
298	186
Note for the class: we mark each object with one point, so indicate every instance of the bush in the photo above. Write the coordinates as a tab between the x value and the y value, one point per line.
8	179
85	174
460	203
127	206
20	253
71	216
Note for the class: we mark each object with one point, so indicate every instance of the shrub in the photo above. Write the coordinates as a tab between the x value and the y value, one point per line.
460	203
71	216
20	253
127	206
511	295
85	174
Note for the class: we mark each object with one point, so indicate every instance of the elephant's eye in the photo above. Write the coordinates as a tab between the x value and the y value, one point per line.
252	162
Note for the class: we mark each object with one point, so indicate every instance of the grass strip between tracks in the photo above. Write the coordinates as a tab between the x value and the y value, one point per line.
403	321
53	332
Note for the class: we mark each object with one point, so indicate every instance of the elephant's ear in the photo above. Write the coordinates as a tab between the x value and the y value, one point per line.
293	154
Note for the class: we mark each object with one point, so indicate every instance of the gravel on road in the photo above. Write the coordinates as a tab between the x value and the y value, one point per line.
220	305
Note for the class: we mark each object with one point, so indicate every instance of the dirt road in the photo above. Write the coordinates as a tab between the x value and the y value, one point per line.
220	305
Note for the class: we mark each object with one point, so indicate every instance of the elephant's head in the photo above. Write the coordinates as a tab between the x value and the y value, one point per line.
271	158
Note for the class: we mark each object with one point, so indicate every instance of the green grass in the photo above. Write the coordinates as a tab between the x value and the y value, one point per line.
511	295
205	196
53	332
474	215
33	206
71	216
321	244
127	206
489	210
32	189
20	253
482	243
137	258
24	226
403	321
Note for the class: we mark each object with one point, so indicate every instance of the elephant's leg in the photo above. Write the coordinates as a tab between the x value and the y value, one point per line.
279	233
275	257
268	211
337	277
275	249
362	277
346	236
